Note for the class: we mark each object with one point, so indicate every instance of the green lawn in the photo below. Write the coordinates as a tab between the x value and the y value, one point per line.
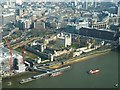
27	54
75	46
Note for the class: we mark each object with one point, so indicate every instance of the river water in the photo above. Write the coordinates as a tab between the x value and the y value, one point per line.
77	76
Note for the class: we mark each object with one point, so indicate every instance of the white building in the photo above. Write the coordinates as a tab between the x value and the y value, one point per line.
42	47
81	24
51	57
24	23
19	2
60	52
65	39
16	63
77	53
8	17
119	8
37	12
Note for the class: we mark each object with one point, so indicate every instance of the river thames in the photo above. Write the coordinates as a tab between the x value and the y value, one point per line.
77	76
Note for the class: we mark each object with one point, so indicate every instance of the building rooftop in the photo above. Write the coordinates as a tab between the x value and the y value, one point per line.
99	33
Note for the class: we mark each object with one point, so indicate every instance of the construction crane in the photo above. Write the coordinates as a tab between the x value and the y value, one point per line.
23	54
16	39
11	59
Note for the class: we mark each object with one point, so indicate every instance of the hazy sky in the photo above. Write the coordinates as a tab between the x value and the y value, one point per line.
66	0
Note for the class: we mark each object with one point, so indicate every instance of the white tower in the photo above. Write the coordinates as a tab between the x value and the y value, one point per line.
51	57
67	41
42	47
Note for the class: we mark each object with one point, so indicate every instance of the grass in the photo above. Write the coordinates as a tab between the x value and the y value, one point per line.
27	54
18	49
30	55
75	46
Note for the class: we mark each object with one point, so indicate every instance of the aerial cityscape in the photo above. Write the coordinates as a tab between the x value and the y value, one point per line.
59	44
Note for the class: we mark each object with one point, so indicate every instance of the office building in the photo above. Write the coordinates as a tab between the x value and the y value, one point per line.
23	24
19	2
119	8
7	18
16	63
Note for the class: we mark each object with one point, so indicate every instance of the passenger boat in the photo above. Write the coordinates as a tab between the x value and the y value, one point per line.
56	74
93	71
25	80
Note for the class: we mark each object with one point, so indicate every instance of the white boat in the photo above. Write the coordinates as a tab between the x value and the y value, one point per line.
116	85
93	71
25	80
56	74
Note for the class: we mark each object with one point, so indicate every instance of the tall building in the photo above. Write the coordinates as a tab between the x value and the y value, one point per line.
119	12
23	24
1	10
86	5
119	8
19	2
0	19
7	18
17	64
19	12
94	3
9	3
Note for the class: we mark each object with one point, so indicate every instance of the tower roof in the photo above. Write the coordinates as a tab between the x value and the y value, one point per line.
119	3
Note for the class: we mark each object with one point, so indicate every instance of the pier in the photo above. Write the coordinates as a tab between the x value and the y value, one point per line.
42	69
44	74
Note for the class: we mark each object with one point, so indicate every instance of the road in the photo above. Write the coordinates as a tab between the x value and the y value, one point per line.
78	59
24	42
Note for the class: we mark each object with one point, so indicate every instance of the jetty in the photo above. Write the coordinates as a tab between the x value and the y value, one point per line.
44	74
